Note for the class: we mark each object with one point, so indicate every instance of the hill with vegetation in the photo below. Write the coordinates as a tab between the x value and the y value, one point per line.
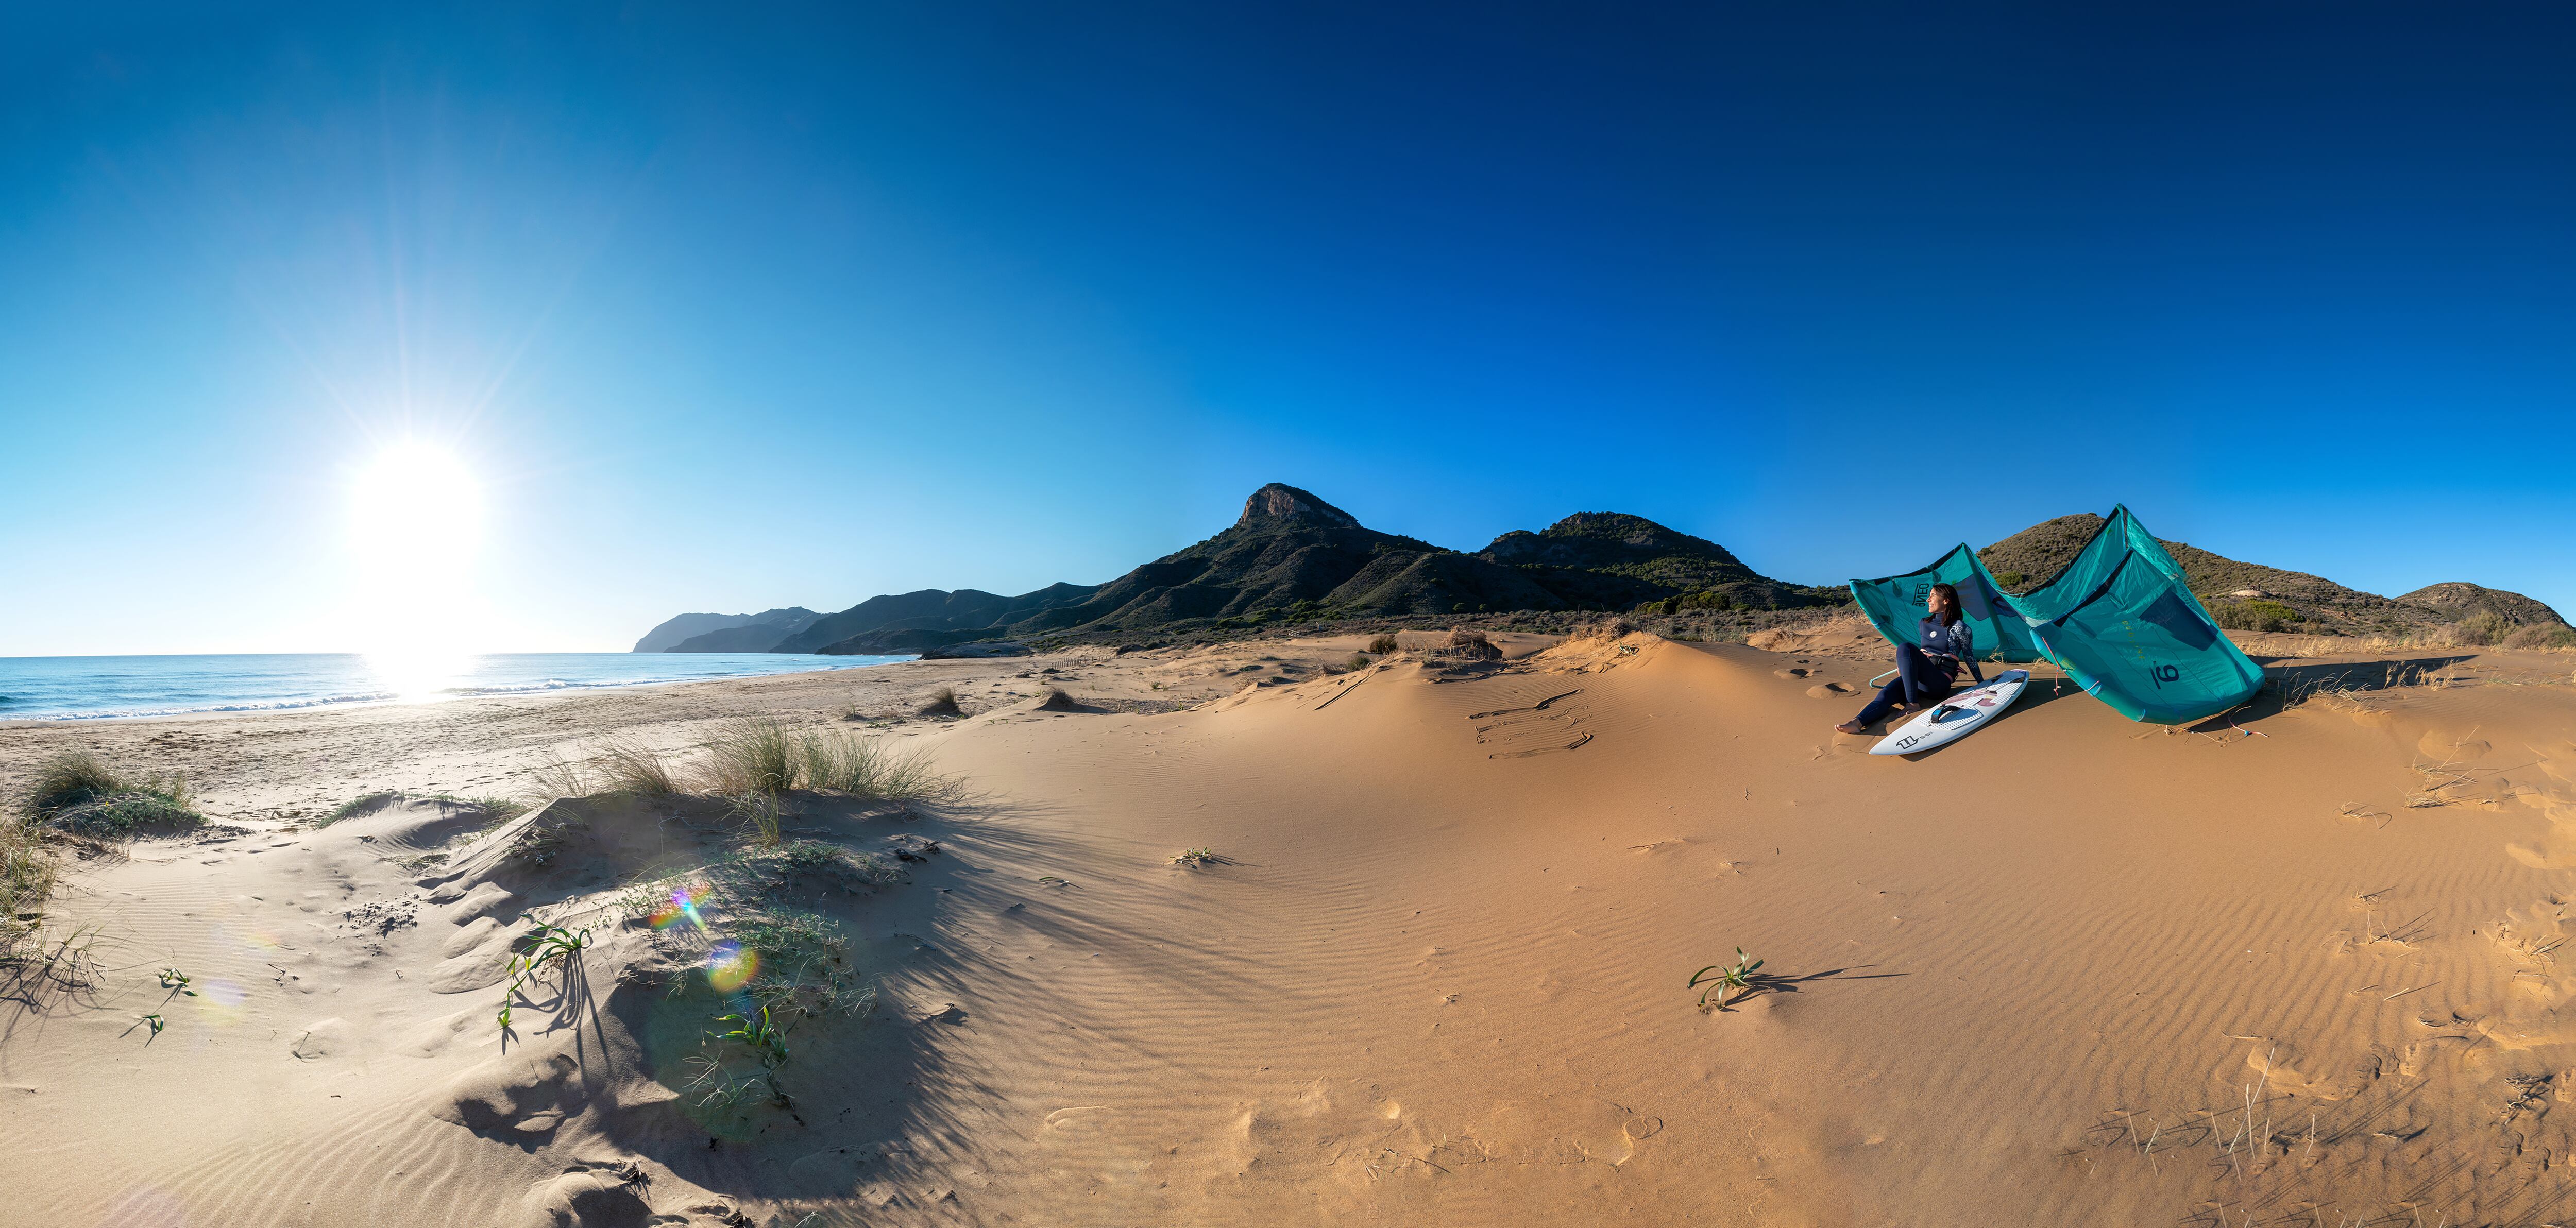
1291	557
2252	596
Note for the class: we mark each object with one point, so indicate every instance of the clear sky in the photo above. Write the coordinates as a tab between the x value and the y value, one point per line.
724	307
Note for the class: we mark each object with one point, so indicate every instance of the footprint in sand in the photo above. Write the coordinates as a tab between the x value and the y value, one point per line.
1829	690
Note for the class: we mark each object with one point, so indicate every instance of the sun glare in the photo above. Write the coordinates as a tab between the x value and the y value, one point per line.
416	519
417	511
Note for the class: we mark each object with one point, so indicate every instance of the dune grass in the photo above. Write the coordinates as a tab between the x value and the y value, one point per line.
943	702
635	769
763	757
26	879
755	754
556	777
79	792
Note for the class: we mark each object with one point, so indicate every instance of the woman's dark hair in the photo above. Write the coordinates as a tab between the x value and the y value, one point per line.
1949	610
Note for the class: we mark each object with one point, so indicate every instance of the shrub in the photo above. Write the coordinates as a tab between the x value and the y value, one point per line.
2010	579
1708	599
2484	627
2542	636
2257	615
1384	644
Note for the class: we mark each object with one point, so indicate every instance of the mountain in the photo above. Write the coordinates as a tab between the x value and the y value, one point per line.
881	620
2461	599
2035	555
1614	561
1291	556
673	632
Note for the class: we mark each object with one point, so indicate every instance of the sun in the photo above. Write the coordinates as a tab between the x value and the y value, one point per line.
416	510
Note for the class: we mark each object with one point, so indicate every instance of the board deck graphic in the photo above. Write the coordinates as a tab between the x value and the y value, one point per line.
1954	718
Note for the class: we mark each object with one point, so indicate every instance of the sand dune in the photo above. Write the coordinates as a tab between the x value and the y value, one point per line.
2301	967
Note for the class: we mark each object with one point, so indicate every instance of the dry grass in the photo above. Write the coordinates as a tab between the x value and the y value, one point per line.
755	754
836	762
943	702
26	878
556	777
1385	644
634	769
77	791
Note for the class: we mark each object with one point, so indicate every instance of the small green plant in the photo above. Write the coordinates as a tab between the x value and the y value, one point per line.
768	1043
155	1020
541	946
1725	980
1195	857
172	978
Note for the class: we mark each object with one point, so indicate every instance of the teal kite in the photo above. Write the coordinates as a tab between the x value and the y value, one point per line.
2120	620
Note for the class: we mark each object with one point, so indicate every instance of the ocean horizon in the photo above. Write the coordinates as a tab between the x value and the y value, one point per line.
180	684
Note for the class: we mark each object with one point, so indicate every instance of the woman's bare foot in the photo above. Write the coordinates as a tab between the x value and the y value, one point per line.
1851	727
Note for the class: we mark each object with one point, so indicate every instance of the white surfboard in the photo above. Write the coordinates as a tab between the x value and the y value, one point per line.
1954	718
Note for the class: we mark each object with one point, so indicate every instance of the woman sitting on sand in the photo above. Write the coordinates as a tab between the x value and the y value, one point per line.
1924	673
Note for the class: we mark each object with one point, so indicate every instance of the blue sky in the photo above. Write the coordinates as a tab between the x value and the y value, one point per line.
727	312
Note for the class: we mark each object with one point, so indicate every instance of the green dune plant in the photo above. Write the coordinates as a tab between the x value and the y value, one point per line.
1725	980
79	792
546	944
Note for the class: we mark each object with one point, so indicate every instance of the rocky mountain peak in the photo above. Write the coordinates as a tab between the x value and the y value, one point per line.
1279	504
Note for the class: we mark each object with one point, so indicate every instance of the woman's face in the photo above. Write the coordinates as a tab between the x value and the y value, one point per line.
1944	603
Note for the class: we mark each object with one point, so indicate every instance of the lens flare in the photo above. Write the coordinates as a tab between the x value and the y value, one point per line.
219	1002
682	910
729	967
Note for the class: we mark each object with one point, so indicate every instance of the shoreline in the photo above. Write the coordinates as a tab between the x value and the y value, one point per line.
442	696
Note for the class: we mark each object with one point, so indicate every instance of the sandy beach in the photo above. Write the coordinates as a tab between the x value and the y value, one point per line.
2298	966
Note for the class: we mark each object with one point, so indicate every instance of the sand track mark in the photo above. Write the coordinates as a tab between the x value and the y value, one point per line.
1549	726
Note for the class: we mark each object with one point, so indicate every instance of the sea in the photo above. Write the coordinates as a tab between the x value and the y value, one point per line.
99	688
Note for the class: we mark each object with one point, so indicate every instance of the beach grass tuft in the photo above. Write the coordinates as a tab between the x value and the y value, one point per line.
634	769
755	754
556	777
26	879
943	702
79	792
